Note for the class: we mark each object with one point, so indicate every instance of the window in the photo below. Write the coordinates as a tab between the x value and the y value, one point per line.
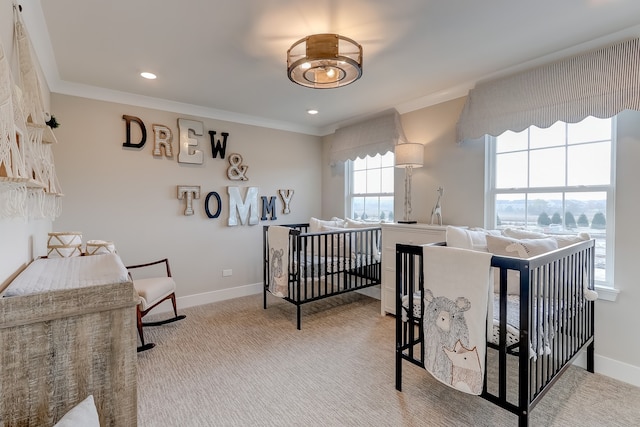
370	187
558	180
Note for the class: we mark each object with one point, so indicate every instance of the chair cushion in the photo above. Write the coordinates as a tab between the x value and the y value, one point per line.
153	289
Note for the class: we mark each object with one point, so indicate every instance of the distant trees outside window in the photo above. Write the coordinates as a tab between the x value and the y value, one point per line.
543	179
370	190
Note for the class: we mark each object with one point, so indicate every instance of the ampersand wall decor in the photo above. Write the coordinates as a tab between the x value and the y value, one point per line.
236	170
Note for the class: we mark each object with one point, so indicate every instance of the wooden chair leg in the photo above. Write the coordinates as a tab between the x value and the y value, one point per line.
173	301
143	346
175	317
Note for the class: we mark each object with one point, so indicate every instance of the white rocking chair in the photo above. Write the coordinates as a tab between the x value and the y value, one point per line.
151	292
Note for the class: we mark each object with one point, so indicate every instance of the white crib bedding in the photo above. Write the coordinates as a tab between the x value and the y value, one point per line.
319	266
50	274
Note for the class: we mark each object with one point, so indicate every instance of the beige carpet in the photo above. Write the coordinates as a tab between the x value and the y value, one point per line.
234	364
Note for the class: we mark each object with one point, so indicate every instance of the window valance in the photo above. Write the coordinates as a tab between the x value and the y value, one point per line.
370	137
598	83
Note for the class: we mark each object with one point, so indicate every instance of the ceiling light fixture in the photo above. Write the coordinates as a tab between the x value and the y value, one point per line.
324	61
147	75
312	112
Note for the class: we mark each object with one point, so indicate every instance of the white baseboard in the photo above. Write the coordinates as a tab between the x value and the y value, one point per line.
209	297
603	365
612	368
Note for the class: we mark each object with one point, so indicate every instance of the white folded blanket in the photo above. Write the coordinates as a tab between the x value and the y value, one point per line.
52	274
278	238
457	283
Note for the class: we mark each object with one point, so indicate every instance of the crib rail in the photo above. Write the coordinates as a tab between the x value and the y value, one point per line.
553	305
556	322
344	259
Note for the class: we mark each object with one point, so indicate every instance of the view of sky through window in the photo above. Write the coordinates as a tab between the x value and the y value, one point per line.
371	195
556	180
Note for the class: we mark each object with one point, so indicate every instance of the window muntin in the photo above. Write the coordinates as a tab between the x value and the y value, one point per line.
370	190
557	180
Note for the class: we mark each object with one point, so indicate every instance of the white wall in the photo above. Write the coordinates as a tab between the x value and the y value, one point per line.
617	322
128	196
459	169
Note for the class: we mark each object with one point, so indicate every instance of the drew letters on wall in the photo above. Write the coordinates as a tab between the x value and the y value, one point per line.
163	138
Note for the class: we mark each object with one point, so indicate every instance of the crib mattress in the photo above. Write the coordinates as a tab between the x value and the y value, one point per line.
318	266
50	274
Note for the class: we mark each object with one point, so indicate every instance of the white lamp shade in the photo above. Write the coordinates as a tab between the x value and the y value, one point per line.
409	154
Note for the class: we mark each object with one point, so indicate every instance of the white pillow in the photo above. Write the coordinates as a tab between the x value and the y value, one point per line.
352	223
464	238
520	248
563	240
527	248
315	224
339	242
567	240
84	414
517	248
521	233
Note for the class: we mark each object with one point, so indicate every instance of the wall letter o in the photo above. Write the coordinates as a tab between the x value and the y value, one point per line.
206	205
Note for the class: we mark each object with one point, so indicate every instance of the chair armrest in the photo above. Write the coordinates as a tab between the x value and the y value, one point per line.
166	261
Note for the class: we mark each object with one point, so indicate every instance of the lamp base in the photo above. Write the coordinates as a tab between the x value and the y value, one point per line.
407	222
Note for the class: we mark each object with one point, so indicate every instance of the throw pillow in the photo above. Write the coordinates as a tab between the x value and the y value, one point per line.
517	248
464	238
315	224
352	223
527	248
84	414
521	233
339	243
520	248
564	241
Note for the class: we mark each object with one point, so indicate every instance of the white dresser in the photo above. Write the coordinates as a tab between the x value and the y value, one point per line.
412	234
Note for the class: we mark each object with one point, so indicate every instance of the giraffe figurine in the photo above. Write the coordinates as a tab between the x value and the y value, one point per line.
436	212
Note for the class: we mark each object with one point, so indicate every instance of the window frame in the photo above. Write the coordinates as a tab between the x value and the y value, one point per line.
605	288
349	184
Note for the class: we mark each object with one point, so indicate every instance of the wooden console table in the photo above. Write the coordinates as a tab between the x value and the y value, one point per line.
58	346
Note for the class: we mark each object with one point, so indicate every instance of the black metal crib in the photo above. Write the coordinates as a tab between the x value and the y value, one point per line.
551	297
325	264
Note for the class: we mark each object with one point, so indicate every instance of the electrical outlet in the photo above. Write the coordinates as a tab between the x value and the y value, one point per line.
227	273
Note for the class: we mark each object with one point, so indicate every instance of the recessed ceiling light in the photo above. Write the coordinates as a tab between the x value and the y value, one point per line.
312	112
147	75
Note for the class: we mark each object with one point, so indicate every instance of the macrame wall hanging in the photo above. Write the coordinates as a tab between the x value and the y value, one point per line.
29	186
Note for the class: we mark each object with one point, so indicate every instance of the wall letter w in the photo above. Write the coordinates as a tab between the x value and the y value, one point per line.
216	146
